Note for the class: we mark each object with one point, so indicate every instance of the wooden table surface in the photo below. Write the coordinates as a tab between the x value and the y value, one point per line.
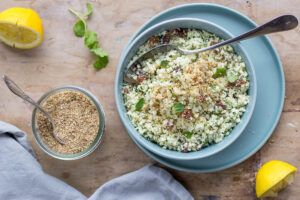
63	59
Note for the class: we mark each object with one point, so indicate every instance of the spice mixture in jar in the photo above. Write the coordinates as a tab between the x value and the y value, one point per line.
76	120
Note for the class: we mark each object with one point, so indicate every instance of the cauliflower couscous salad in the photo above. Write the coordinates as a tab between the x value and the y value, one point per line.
187	102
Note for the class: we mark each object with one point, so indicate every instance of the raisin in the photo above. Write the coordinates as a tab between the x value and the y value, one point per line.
181	32
187	114
153	41
237	83
170	125
221	105
177	69
213	43
125	91
202	98
166	39
141	78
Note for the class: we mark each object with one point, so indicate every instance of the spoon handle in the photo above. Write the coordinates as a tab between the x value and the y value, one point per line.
20	93
282	23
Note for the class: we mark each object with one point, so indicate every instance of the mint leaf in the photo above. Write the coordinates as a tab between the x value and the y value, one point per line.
101	62
99	52
231	78
164	63
219	73
89	9
90	39
139	104
94	46
178	107
187	134
79	28
212	86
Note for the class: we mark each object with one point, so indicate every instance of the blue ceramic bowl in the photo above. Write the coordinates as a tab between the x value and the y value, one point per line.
131	50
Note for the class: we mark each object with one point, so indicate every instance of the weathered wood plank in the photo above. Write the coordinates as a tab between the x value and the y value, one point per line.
63	59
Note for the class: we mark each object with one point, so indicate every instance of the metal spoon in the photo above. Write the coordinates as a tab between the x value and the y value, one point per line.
282	23
20	93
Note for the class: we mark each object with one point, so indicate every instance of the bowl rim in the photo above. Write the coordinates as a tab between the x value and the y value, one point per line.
92	147
143	141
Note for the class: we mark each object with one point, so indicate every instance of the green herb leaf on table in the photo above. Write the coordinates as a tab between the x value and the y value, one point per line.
231	78
219	73
187	134
139	104
79	28
101	62
89	9
164	63
178	107
90	39
99	52
94	46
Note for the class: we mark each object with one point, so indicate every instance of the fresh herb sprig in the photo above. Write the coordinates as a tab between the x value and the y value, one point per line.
231	78
90	37
188	134
178	107
164	63
219	73
139	104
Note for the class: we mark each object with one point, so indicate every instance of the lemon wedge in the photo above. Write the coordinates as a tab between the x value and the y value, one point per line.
272	177
21	28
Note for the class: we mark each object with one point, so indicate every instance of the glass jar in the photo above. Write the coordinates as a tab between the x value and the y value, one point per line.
91	147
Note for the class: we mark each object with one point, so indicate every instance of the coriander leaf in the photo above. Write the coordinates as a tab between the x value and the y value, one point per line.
79	28
178	107
99	52
89	8
212	86
164	63
95	45
139	104
231	78
219	73
79	15
101	62
187	134
90	39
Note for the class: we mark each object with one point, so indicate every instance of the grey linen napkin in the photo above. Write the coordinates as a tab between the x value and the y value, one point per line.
22	177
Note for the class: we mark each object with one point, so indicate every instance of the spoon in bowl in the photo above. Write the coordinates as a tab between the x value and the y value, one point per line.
282	23
14	88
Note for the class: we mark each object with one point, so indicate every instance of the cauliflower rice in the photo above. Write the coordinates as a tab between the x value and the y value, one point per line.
187	102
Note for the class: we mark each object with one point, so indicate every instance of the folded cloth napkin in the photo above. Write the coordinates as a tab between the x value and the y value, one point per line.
22	177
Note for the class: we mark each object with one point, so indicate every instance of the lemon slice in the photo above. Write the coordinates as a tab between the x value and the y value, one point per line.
21	28
272	177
